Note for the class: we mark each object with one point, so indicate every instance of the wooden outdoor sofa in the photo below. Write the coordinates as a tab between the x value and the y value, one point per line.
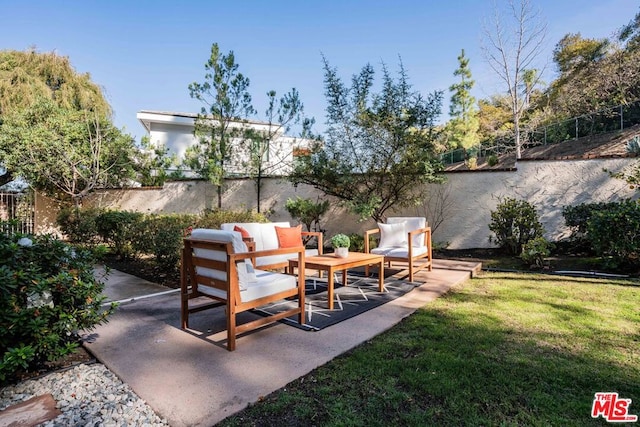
218	265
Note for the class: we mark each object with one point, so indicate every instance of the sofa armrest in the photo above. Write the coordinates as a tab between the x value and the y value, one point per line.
368	233
318	236
427	235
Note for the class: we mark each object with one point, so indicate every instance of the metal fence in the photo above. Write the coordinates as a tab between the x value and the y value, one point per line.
17	212
603	121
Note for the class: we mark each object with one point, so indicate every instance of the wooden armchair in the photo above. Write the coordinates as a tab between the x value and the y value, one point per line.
404	239
214	265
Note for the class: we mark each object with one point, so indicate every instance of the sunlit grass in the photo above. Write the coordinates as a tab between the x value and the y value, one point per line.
502	349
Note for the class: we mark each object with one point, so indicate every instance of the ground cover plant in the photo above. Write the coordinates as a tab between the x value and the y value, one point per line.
501	349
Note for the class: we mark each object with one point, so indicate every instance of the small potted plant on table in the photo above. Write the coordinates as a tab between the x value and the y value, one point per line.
341	243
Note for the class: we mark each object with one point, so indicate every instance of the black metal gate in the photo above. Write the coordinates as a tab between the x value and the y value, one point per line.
17	211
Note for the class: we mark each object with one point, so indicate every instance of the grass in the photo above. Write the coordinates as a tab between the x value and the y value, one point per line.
502	349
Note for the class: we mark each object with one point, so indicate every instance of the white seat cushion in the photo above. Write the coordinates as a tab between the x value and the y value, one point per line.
268	283
396	252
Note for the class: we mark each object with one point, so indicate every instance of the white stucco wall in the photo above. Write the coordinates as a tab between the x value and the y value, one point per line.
548	185
470	197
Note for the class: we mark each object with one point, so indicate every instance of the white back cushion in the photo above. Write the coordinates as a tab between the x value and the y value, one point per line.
411	223
263	233
392	235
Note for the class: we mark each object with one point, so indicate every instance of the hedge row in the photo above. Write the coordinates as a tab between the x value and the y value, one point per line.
134	234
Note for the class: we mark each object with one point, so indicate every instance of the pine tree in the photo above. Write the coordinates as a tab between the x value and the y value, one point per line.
464	124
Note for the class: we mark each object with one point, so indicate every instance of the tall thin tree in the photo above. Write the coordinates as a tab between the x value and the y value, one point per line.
511	47
270	150
221	125
464	123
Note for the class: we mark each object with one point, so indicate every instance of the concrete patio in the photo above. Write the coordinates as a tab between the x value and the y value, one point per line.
190	378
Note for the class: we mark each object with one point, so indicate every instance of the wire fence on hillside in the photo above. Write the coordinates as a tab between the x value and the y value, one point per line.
603	121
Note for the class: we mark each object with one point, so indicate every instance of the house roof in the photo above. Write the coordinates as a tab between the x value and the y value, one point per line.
146	117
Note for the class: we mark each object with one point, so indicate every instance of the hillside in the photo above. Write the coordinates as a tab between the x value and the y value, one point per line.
606	145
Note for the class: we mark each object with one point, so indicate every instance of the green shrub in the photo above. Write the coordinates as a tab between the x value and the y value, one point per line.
514	223
80	225
307	212
615	232
161	236
535	251
120	229
577	217
357	242
48	293
213	219
493	160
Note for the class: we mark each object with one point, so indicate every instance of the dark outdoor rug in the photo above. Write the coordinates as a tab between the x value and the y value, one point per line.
359	296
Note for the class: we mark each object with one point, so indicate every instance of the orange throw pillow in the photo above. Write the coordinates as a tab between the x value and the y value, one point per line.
289	237
245	233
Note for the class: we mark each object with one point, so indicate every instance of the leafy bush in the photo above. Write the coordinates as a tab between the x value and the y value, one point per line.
48	293
615	232
161	236
213	219
357	242
493	160
120	229
514	223
80	225
307	212
577	219
535	251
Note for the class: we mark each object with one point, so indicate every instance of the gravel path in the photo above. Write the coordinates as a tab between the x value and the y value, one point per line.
87	395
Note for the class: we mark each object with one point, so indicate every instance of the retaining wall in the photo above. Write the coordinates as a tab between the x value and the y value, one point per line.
459	210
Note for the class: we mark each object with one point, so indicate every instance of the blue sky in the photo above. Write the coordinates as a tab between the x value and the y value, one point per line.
145	53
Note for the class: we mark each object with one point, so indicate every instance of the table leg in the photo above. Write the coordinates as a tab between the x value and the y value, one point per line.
344	277
330	289
381	276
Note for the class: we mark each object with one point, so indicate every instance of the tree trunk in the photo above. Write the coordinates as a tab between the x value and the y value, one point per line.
516	126
258	191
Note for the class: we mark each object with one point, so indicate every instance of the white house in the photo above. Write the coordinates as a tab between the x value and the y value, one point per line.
175	131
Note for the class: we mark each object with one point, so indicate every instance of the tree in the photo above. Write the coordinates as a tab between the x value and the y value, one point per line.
66	153
268	151
221	127
511	52
379	147
630	34
27	77
464	124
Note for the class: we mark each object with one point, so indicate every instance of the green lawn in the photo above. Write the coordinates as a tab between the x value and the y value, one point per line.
501	349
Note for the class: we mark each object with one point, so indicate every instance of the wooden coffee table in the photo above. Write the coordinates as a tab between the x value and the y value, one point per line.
331	263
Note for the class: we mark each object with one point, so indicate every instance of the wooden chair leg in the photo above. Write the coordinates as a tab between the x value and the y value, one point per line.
411	270
231	328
